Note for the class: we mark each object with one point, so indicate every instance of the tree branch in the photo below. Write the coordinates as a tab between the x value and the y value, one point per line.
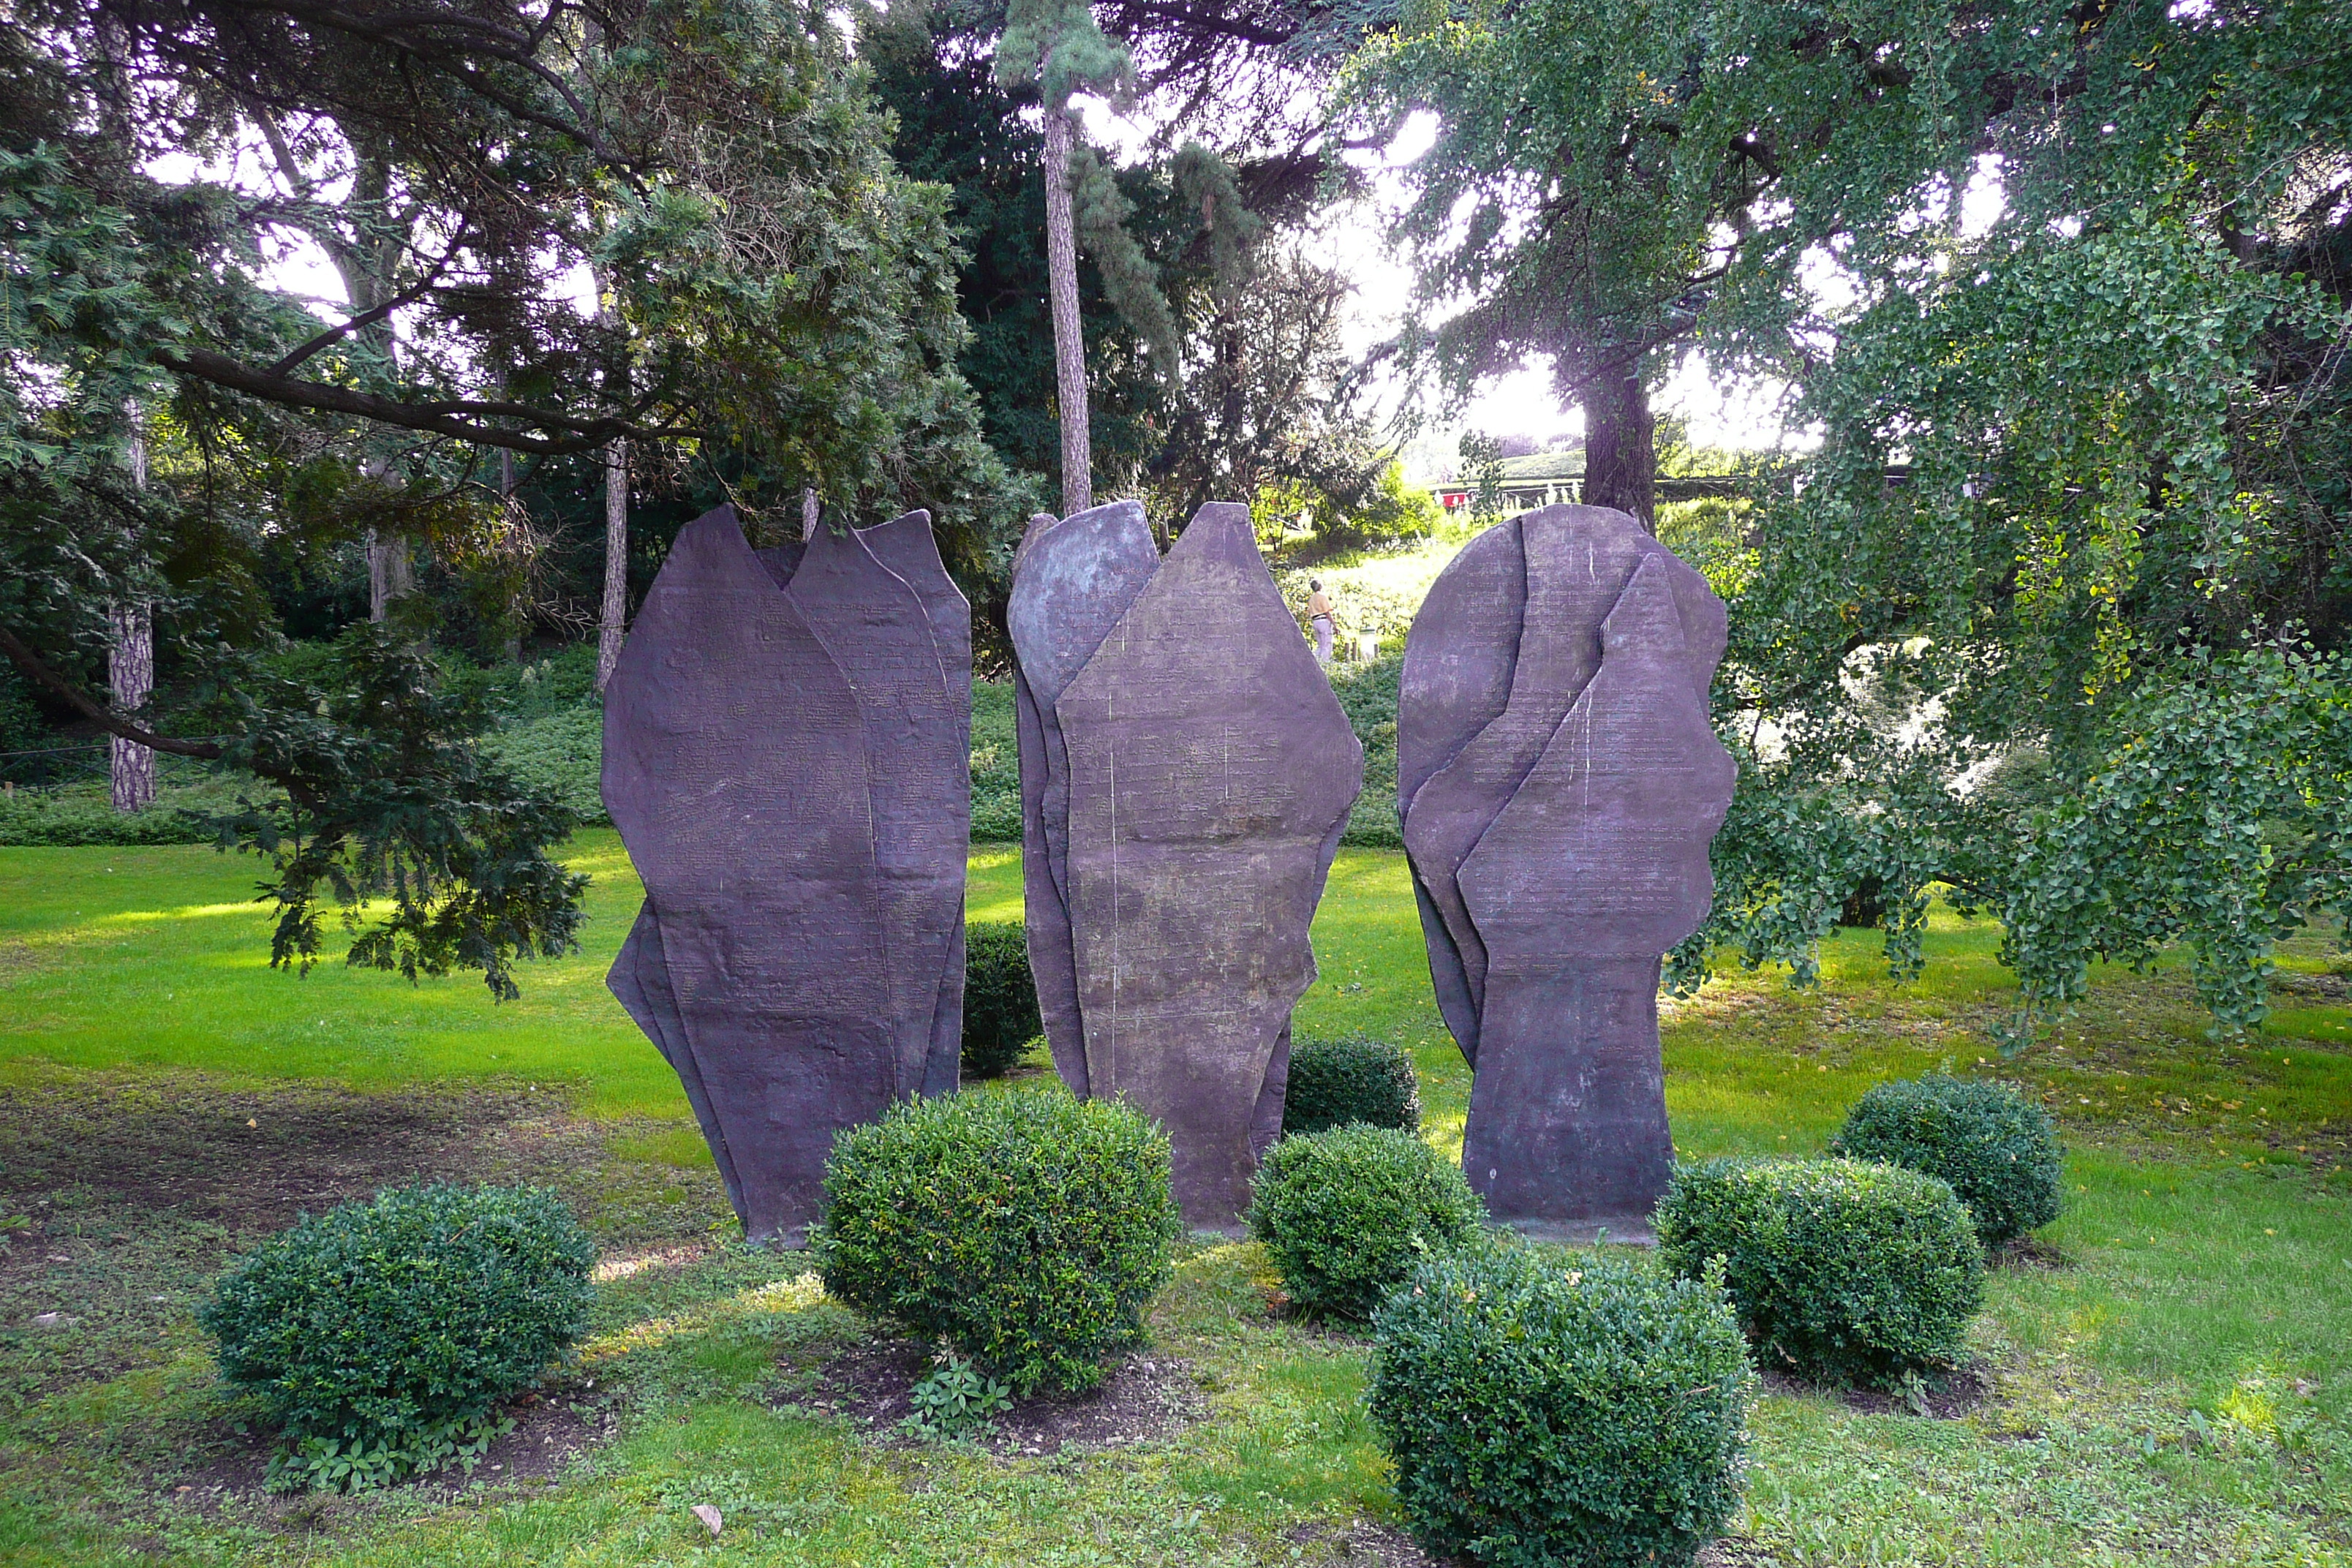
49	680
460	419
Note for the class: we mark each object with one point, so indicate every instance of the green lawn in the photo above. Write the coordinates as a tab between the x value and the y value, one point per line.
2170	1373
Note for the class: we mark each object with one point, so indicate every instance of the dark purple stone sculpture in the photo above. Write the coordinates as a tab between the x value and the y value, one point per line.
1185	775
1559	782
786	755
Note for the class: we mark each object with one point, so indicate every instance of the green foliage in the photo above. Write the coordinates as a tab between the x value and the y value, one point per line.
1540	1415
1350	1080
955	1400
1367	696
1056	46
1848	1272
1000	997
1029	1230
1998	1149
386	798
559	754
2082	444
378	1336
1347	1214
995	765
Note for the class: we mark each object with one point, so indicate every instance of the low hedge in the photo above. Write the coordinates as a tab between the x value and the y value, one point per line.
1999	1150
1347	1214
1537	1415
1845	1271
1027	1229
1000	997
375	1335
1353	1078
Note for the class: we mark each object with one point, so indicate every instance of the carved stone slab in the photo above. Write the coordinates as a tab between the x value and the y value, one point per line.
801	838
1561	848
1209	774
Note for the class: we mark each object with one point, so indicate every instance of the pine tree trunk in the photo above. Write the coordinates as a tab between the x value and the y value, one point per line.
130	670
1069	342
615	621
1621	450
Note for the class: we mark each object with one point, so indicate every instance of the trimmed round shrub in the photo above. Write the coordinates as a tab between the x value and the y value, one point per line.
1848	1272
1998	1149
1353	1078
1028	1230
1539	1416
382	1328
1349	1212
1000	997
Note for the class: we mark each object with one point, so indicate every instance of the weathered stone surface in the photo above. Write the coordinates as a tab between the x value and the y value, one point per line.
918	749
801	838
906	546
1208	773
1561	848
1072	580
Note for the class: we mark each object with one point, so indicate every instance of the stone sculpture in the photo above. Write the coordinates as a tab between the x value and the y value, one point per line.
1559	782
787	747
1185	775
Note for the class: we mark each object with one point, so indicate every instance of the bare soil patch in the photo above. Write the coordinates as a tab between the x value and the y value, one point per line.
1946	1398
1141	1399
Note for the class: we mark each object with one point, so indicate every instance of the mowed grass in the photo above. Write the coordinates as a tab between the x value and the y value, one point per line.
2169	1372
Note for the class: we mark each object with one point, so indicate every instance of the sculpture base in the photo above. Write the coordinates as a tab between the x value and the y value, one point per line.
1568	1106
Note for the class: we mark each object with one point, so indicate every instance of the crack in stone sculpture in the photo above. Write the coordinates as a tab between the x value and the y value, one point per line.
1186	773
786	755
1559	782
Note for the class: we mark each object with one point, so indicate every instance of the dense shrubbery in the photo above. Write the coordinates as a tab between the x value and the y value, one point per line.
379	1335
995	765
1353	1078
1367	696
1539	1415
1998	1149
1027	1229
1347	1214
1849	1272
1000	997
561	752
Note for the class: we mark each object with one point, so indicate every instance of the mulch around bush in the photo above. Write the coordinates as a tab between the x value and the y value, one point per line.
1141	1399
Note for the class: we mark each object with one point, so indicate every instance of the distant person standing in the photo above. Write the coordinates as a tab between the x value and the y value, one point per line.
1318	619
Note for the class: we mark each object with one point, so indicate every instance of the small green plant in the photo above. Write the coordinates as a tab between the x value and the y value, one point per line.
1026	1230
1846	1271
956	1400
1347	1214
1353	1078
1000	997
1540	1415
1998	1149
380	1336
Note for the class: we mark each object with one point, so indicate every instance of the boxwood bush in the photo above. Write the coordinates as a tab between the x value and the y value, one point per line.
1027	1229
1000	997
379	1335
1353	1078
1347	1214
1847	1272
1538	1415
1998	1149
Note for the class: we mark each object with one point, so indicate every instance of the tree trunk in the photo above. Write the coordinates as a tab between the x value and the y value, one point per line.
810	512
1069	342
616	619
1621	449
130	670
390	575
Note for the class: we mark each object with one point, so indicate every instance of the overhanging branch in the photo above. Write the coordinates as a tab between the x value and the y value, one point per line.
66	691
